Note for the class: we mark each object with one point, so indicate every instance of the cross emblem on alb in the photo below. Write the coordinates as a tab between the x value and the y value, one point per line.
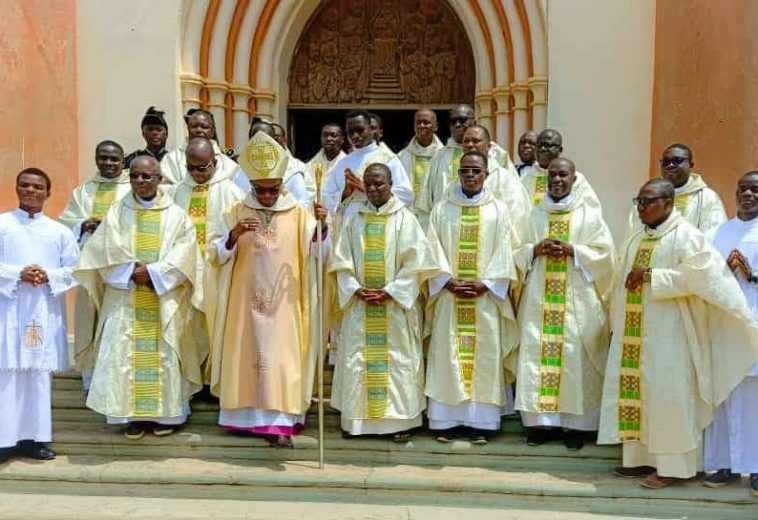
33	335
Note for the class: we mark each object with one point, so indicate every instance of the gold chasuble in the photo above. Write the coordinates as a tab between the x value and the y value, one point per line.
205	204
562	317
92	199
379	380
151	365
263	348
472	340
682	344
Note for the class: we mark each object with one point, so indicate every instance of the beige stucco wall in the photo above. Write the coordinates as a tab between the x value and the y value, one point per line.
128	59
601	93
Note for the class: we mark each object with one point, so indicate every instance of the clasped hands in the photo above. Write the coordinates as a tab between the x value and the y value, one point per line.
466	289
373	296
739	265
34	275
553	248
141	276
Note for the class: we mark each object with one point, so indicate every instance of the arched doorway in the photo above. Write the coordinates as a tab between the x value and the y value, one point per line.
387	56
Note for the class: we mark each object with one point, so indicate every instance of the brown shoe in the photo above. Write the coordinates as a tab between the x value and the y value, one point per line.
637	471
655	481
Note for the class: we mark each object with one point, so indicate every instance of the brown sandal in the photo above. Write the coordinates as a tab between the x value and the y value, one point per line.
655	481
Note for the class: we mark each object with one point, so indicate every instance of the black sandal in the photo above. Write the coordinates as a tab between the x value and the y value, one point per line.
401	437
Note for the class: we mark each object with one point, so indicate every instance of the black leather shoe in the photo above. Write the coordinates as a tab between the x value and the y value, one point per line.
36	450
6	454
573	439
719	479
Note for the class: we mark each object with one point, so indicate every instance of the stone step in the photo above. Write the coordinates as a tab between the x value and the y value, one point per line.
555	490
208	441
88	507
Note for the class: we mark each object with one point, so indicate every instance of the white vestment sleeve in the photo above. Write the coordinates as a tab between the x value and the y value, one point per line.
401	183
164	277
437	283
347	285
498	287
296	186
60	279
10	275
331	192
224	254
119	276
586	276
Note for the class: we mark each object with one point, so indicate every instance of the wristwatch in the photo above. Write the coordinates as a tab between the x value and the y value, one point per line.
647	274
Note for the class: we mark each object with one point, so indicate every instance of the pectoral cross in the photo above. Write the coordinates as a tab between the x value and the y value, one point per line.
33	336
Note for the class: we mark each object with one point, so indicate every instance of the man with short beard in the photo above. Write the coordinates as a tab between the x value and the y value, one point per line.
731	445
683	339
566	266
37	255
418	155
88	205
381	259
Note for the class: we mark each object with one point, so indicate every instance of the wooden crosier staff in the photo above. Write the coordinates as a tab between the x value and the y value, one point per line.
320	327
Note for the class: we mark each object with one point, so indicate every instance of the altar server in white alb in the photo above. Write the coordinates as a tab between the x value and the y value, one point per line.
731	443
37	255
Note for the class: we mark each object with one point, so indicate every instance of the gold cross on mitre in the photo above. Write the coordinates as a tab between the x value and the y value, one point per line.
263	158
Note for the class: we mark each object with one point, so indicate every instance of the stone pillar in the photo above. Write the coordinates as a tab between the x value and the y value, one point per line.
483	110
240	114
216	105
191	86
265	104
538	87
520	112
502	96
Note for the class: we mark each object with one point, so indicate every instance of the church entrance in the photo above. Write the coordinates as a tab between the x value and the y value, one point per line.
305	127
386	56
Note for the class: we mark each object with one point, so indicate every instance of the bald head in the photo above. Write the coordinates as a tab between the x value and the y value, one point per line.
201	160
145	162
425	126
549	146
201	148
460	117
527	147
661	187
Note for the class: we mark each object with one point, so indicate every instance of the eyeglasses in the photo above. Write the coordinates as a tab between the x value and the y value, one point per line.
460	119
547	146
674	161
199	169
267	191
646	201
471	171
143	176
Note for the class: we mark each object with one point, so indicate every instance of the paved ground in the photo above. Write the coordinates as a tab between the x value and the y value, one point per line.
39	507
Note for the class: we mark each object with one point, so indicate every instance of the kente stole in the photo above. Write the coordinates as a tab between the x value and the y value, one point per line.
456	163
198	210
554	316
376	351
146	357
465	309
630	383
540	187
105	194
420	167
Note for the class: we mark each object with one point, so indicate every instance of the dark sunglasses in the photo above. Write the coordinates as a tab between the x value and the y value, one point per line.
473	171
646	201
143	176
461	120
199	169
267	191
674	161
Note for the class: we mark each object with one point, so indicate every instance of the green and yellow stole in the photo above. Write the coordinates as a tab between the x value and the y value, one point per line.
105	194
376	349
419	167
540	187
554	316
198	210
146	357
681	202
467	268
630	382
455	163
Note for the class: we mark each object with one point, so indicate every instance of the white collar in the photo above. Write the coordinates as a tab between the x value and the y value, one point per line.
475	199
23	215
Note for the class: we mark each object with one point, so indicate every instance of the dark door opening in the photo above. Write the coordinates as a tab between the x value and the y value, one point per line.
305	127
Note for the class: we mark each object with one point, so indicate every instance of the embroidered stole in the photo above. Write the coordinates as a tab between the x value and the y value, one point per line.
455	163
419	167
681	202
540	187
376	350
105	194
465	309
146	357
554	316
630	383
198	210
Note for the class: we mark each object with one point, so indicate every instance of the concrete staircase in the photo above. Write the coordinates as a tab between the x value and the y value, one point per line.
203	463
